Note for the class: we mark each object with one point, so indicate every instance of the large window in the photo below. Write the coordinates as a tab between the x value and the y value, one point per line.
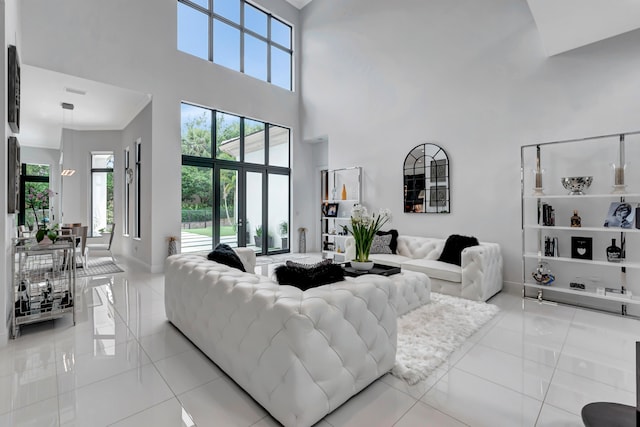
237	35
101	192
235	181
34	181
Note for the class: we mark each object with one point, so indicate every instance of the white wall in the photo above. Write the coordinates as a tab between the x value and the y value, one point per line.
11	34
139	129
381	77
78	146
133	45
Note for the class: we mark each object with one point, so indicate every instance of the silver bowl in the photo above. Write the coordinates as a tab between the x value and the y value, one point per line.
576	184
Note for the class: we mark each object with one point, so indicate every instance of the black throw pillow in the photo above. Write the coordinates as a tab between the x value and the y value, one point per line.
223	254
452	252
394	239
305	278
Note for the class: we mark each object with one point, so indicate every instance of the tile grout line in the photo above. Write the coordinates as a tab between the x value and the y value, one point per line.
555	368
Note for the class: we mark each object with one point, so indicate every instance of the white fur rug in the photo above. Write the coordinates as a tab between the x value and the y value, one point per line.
429	334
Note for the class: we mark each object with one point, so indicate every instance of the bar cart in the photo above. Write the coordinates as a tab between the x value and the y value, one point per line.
44	278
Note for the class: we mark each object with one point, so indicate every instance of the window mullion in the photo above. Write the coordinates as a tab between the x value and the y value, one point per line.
242	31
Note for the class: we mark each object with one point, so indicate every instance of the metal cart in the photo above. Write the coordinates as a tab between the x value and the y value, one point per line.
44	278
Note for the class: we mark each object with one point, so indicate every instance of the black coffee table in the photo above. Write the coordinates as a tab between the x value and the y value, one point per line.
605	414
380	269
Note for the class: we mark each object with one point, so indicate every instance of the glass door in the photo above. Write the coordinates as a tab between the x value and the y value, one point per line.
254	219
228	218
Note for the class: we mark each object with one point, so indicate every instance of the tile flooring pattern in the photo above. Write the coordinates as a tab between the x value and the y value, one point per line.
123	364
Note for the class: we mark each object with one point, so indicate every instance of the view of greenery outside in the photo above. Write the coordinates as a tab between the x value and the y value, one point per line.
110	208
34	188
31	187
197	187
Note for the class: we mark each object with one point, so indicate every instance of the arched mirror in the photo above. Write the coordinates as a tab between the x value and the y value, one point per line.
426	180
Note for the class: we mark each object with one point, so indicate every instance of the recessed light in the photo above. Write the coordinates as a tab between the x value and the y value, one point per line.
76	91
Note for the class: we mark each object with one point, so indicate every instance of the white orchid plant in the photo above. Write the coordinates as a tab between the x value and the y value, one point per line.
364	227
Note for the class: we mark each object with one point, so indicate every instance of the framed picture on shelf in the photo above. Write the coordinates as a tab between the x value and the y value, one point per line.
621	214
581	247
330	210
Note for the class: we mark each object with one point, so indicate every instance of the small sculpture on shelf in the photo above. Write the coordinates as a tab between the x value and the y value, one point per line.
575	219
542	274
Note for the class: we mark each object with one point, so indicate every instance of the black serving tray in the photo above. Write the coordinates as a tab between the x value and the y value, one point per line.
380	269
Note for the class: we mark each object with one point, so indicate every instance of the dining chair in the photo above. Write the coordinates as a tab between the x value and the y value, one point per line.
80	233
103	246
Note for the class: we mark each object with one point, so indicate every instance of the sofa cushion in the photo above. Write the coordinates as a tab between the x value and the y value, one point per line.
224	254
394	239
309	277
381	245
435	269
452	252
389	259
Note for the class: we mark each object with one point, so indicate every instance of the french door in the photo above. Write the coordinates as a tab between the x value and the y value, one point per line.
244	215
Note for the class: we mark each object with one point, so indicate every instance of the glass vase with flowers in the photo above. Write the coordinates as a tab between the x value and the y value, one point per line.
364	227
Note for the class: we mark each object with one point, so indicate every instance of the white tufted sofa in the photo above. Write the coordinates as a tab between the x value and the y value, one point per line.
299	354
479	276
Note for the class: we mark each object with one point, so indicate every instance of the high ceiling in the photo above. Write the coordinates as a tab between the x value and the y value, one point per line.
568	24
563	25
101	107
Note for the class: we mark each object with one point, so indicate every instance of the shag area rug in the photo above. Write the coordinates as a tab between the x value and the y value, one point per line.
429	334
98	266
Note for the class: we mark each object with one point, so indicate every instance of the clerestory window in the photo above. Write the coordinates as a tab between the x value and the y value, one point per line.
237	35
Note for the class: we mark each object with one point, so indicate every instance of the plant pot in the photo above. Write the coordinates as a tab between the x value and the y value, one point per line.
285	243
362	266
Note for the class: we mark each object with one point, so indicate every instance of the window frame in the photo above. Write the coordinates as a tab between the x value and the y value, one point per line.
266	169
213	16
99	170
138	190
126	194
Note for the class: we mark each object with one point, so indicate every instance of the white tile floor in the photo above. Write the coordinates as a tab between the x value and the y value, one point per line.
123	364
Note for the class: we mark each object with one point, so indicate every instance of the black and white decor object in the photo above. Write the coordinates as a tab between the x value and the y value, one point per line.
614	253
581	247
551	246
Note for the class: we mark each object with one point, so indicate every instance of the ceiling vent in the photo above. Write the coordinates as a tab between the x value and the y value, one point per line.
67	106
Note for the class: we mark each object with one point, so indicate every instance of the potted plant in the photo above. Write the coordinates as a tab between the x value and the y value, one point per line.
364	227
258	237
284	234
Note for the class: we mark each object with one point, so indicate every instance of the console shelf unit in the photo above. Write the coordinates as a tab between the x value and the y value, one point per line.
44	279
593	156
332	243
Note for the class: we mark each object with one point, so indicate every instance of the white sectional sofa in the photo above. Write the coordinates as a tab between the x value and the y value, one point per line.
298	354
479	276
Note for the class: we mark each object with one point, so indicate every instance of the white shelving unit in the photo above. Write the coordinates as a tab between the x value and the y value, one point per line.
333	181
596	157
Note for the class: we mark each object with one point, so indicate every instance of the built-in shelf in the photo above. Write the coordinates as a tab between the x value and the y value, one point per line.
585	261
590	156
354	201
334	235
617	298
580	229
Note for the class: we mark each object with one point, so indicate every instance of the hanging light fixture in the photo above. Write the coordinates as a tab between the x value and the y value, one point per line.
69	107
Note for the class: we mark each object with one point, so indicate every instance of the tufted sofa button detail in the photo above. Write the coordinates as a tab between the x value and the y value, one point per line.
299	354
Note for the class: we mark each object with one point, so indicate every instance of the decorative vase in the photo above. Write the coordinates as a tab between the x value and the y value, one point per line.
575	219
362	266
45	241
344	192
614	253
